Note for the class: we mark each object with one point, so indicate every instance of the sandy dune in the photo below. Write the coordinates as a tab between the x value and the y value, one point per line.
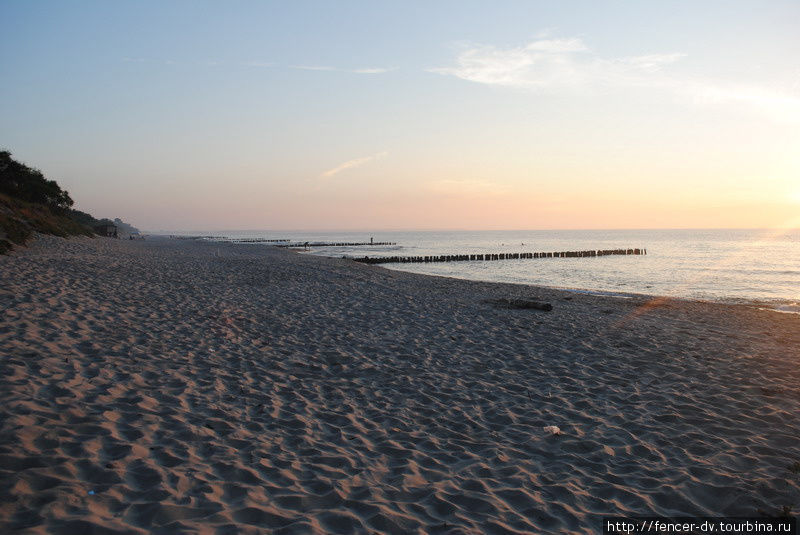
173	386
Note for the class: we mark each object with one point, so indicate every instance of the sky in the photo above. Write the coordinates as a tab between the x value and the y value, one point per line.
410	115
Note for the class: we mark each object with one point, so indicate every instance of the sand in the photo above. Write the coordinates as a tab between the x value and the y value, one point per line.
176	386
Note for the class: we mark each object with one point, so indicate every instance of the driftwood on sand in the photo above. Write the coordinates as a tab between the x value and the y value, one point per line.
520	304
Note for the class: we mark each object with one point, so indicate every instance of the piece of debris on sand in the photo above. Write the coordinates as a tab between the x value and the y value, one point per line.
520	304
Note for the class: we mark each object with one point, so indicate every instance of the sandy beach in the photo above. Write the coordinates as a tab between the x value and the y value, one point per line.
179	386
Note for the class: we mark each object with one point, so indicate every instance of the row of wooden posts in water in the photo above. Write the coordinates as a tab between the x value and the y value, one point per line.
225	238
333	244
499	256
260	240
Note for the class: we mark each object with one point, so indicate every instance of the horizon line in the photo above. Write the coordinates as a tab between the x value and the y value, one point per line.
163	231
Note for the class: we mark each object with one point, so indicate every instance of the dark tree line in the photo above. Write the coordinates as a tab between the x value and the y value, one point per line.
25	183
90	221
29	184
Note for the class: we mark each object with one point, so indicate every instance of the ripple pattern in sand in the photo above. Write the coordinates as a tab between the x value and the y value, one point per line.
182	387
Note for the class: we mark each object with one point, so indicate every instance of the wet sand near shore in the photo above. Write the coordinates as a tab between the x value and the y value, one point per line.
180	386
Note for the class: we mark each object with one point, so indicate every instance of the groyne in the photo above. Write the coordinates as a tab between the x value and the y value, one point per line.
334	244
499	256
258	240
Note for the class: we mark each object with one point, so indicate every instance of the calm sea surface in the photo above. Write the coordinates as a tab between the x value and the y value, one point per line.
750	266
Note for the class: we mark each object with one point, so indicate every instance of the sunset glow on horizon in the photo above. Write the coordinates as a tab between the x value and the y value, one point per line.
574	115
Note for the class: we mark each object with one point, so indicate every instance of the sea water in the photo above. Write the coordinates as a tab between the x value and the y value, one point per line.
759	267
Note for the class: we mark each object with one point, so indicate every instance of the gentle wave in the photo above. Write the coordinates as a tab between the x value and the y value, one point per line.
791	308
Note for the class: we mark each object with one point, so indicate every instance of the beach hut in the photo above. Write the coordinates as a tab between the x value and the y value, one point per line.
110	231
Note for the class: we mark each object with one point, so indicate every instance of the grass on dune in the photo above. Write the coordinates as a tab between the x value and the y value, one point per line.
19	220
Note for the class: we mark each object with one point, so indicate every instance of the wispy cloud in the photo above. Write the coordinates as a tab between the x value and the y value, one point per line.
556	65
779	106
547	64
369	70
350	164
556	45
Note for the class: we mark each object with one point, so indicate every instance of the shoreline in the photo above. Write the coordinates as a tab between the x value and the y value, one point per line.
189	386
736	266
728	301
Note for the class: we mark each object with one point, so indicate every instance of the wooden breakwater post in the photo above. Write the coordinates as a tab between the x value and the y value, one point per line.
498	256
334	244
260	240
